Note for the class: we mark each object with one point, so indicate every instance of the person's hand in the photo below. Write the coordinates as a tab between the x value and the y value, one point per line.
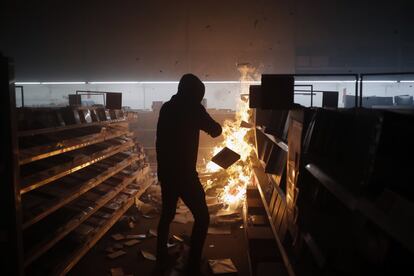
216	131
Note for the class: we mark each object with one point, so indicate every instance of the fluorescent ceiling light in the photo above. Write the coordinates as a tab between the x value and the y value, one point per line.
208	82
63	82
325	81
158	82
233	82
26	83
218	82
379	81
113	82
137	82
348	81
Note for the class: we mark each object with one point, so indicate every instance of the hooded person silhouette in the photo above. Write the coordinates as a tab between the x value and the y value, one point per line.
179	124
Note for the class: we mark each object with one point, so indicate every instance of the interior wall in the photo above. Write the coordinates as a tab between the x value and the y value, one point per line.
354	36
160	40
147	40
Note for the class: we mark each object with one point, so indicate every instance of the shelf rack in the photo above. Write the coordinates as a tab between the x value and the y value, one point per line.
353	185
70	175
269	167
261	179
400	230
44	177
86	186
44	151
77	255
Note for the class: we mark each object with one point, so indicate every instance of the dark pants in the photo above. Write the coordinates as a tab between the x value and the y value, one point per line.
192	194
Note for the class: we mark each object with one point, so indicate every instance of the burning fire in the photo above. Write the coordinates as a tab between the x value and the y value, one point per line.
237	138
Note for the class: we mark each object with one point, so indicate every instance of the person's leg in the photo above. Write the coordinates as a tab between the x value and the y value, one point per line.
194	197
169	203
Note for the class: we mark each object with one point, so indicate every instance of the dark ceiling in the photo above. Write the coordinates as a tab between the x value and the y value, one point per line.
160	40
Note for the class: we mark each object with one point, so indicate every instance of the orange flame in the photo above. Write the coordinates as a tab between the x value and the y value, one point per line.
237	138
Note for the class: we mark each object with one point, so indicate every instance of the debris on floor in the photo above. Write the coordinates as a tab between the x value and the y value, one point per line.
222	266
117	271
136	236
118	237
152	233
145	208
183	218
222	219
153	195
178	238
219	230
149	256
131	242
118	245
116	254
256	220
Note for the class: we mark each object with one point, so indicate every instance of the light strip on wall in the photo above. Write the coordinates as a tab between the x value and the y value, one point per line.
222	82
167	82
113	82
325	81
63	82
350	81
27	83
158	82
50	82
379	81
208	82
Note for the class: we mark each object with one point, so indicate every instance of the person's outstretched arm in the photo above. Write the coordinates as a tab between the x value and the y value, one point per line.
208	124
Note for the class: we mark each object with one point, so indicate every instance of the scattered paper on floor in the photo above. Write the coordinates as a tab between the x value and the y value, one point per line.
109	249
118	237
225	213
221	266
117	271
153	232
147	255
219	230
131	242
211	200
136	236
180	219
178	238
116	254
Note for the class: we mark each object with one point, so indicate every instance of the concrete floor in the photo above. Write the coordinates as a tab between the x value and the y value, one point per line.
95	262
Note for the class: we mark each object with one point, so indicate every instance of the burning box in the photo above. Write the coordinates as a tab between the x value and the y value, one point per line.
245	124
225	158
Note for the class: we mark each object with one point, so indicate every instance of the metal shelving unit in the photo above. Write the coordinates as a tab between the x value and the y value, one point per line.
52	206
79	161
61	146
71	177
401	230
266	199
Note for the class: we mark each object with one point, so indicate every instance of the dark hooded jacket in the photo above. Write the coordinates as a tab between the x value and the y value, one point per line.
179	124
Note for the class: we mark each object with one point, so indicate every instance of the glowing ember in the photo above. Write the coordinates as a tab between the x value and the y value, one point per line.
236	138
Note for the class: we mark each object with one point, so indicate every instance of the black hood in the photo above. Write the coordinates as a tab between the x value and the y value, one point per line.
190	89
